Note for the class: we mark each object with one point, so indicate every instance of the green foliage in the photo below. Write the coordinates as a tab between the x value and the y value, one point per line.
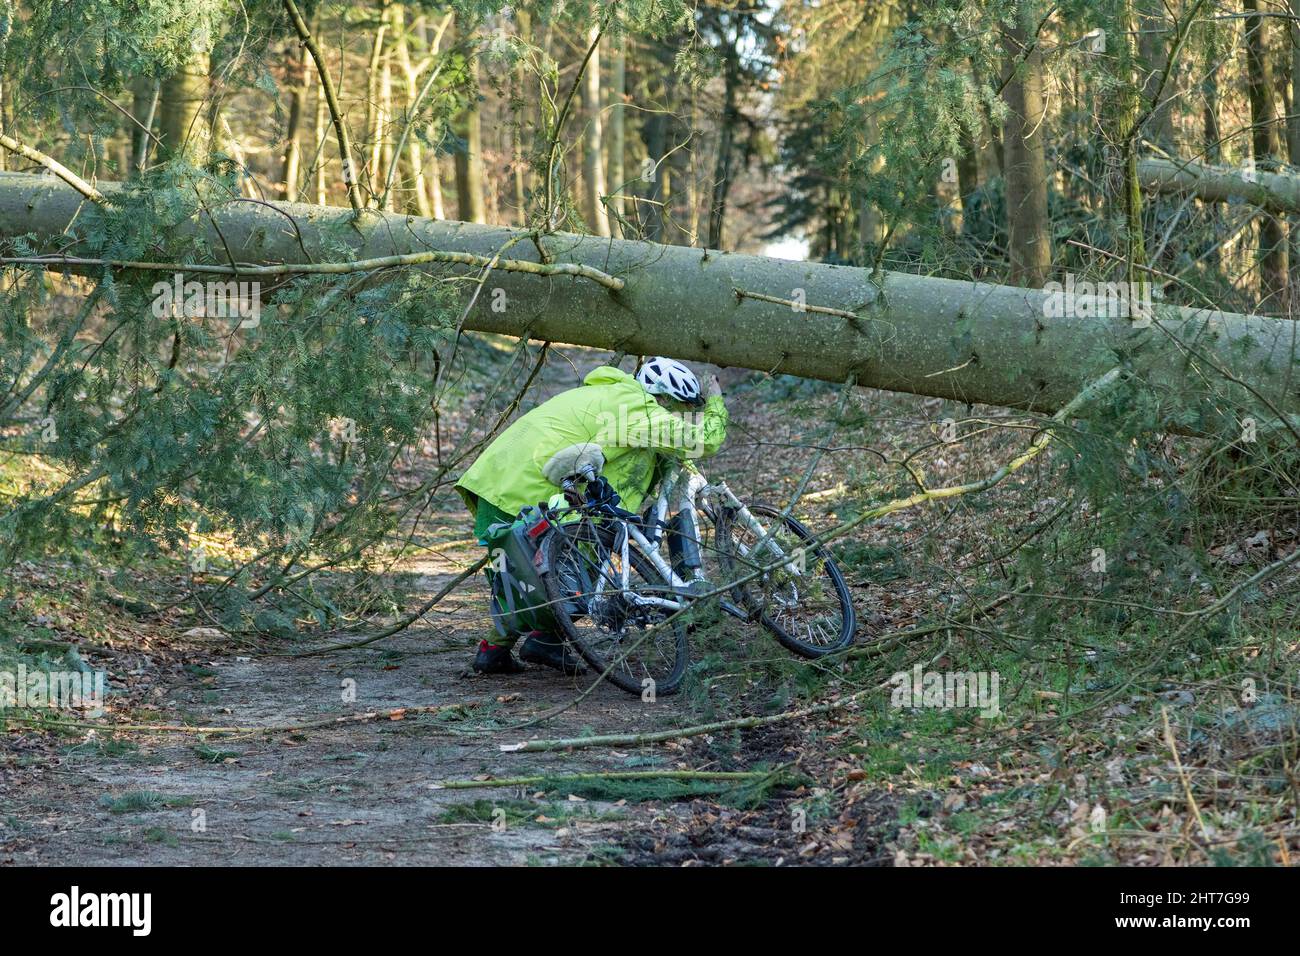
283	433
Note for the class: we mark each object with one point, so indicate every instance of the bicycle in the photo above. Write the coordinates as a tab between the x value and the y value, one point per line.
618	597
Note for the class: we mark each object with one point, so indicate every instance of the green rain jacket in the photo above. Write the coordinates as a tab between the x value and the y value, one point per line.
611	409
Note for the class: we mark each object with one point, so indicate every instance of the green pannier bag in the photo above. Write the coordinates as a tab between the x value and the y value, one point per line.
514	572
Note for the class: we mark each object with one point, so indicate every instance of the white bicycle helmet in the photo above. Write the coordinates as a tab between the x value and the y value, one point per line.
665	376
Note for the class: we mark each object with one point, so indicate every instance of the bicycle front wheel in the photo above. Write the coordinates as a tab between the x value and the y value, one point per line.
804	602
622	632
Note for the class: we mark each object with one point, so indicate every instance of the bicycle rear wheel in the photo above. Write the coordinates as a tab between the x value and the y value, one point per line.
614	630
810	611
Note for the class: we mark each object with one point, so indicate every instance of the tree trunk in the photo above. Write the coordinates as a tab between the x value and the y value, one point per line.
1212	149
4	91
1265	142
593	160
184	121
966	341
386	158
1154	39
374	113
1212	138
1129	133
144	107
1024	137
320	135
689	175
654	131
1272	191
658	131
1293	144
300	77
968	170
435	188
726	147
617	130
433	37
419	190
469	158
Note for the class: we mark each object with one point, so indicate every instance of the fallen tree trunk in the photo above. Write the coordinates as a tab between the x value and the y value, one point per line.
1271	191
967	341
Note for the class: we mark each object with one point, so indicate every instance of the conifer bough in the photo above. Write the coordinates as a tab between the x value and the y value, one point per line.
967	341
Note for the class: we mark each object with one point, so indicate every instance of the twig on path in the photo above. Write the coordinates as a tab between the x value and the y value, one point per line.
1182	774
560	781
659	736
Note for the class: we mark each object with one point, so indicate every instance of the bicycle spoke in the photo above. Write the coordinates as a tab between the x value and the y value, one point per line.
612	628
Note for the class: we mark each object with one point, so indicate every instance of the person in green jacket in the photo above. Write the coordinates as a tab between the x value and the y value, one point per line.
634	419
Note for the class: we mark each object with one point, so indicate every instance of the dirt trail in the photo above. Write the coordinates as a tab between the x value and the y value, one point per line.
357	793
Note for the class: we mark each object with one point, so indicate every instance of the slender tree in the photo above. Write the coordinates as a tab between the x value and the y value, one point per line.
470	205
1266	145
1024	139
593	158
300	80
184	114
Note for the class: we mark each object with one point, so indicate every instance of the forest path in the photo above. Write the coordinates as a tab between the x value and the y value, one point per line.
354	793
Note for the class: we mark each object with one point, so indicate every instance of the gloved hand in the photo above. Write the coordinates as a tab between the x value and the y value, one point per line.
712	388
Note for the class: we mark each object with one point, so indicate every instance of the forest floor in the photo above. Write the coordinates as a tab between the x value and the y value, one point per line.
364	792
866	784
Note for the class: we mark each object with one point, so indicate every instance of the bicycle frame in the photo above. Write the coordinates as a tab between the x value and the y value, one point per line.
696	487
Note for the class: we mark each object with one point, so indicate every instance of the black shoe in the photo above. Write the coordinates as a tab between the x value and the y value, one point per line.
549	651
494	659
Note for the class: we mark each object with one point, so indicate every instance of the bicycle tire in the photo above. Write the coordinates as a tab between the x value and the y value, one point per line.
570	609
750	596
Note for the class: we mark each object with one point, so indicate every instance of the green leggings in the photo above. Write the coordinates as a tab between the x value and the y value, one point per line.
487	514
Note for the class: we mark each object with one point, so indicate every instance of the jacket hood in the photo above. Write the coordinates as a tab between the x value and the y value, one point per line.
608	375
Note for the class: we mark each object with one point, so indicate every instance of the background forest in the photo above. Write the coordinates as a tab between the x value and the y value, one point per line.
232	517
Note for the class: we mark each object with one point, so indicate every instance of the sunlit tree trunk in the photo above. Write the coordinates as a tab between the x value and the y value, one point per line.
593	160
1293	145
469	157
184	120
386	158
432	40
1266	145
320	134
618	127
374	112
414	158
300	77
1024	137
